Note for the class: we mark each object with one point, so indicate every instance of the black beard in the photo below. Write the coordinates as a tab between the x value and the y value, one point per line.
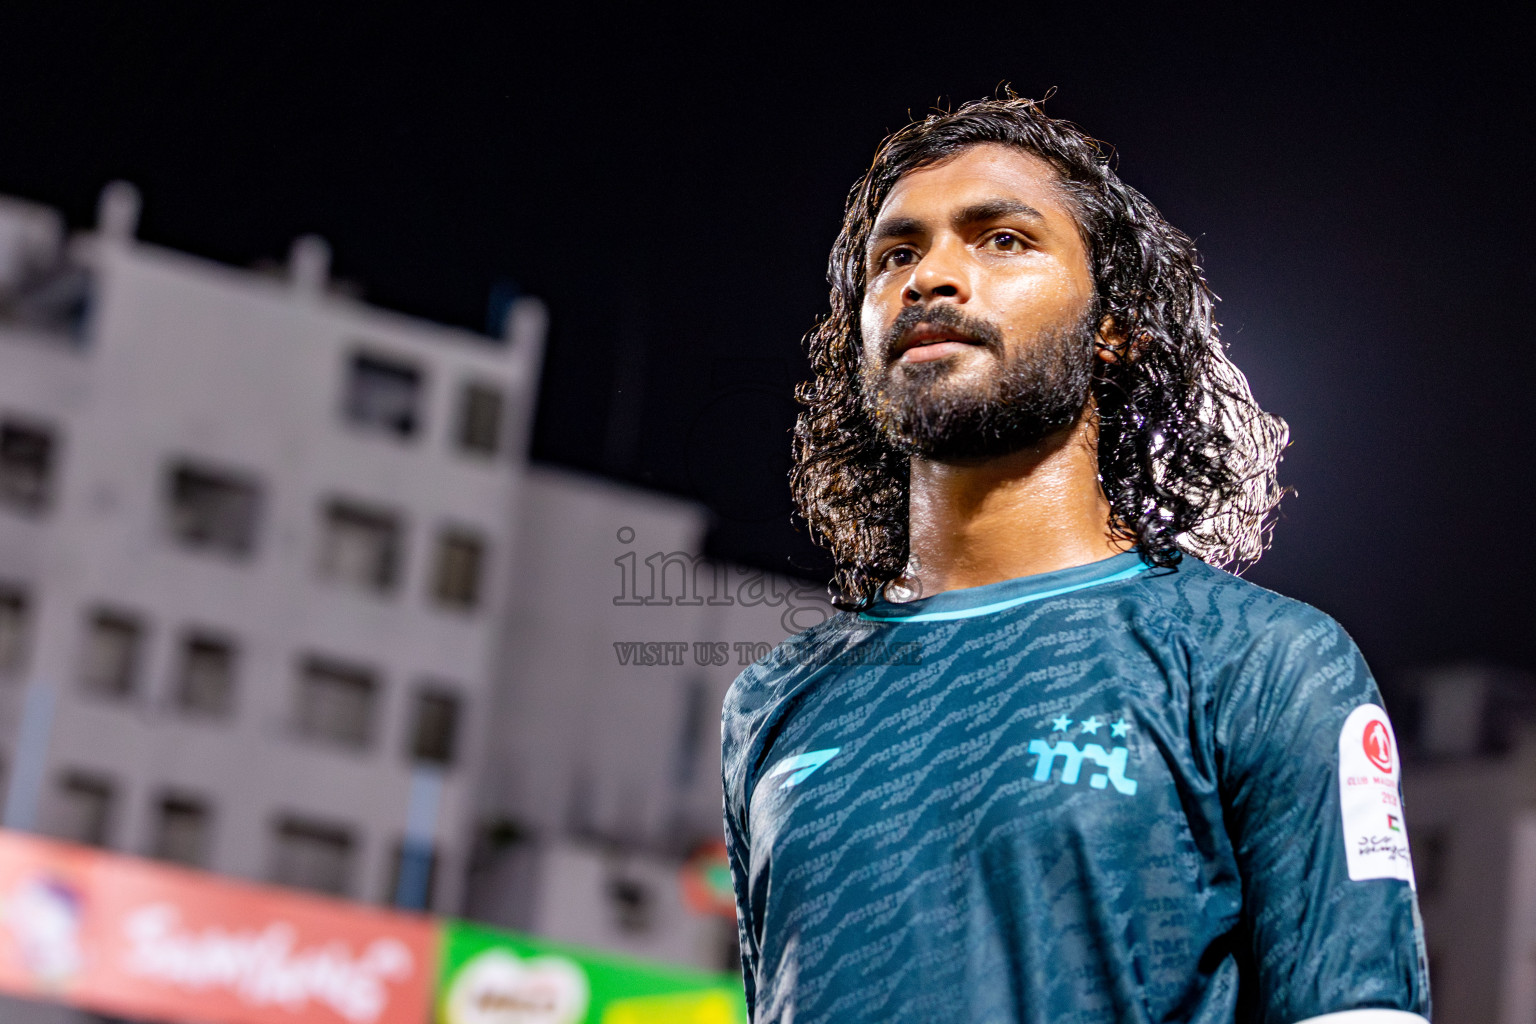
1041	388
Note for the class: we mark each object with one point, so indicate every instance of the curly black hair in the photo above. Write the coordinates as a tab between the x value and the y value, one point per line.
1187	458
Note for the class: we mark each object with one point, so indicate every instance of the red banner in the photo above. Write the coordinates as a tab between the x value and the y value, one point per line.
124	936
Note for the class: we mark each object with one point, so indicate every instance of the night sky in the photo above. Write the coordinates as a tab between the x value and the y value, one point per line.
670	185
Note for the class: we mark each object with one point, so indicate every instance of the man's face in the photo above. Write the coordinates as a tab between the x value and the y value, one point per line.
976	318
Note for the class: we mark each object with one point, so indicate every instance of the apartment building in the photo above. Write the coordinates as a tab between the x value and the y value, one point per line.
255	540
604	772
280	598
1469	792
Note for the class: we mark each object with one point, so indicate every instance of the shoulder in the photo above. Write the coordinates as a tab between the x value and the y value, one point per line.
793	660
1239	626
764	694
1281	675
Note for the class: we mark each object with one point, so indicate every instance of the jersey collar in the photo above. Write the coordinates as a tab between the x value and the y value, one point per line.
997	597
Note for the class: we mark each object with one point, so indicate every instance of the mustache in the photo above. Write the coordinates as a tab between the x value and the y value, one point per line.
984	332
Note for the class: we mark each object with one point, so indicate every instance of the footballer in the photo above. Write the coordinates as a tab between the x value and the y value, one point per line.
1051	763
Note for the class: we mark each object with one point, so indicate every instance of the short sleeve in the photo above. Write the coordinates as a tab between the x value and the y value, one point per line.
739	855
1311	792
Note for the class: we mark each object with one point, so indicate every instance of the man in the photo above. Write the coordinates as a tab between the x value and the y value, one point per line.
1050	764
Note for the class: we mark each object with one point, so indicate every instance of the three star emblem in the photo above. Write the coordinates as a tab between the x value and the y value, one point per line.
1091	725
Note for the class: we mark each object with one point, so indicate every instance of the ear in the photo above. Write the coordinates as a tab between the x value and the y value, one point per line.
1110	344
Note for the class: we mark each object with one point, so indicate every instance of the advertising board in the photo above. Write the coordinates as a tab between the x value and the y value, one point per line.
125	936
121	935
495	977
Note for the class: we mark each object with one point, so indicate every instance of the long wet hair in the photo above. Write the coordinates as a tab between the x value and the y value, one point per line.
1186	457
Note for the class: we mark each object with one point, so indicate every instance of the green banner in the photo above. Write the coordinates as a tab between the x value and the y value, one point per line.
488	976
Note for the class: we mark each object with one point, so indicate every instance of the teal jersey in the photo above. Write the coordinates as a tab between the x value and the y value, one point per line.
1112	794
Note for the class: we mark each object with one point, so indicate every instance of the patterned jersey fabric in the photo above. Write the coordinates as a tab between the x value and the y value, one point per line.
1106	794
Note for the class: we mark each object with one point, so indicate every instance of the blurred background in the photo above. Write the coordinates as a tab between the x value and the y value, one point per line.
394	412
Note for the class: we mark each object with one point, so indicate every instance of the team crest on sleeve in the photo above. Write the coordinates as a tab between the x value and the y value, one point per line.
1370	797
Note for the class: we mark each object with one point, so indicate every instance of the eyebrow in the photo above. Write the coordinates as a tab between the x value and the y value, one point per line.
901	227
993	209
976	213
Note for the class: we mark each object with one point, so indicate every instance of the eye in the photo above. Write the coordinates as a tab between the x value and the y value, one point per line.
1006	241
898	257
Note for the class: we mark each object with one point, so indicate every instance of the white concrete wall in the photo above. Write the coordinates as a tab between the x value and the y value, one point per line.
1519	993
587	750
577	907
1479	918
584	742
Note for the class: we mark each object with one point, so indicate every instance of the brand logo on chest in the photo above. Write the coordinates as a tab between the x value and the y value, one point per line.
1112	761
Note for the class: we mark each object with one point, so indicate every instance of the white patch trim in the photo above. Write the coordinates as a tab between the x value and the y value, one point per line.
1367	1017
1371	799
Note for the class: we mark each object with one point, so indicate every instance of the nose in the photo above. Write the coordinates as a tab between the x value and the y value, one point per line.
940	274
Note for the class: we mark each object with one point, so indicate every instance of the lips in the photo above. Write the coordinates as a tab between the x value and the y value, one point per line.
924	335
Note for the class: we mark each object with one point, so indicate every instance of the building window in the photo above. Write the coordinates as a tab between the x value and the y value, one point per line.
632	903
212	510
695	725
206	685
480	419
384	395
182	828
434	726
456	581
361	546
313	855
418	894
15	626
84	810
336	703
112	645
26	466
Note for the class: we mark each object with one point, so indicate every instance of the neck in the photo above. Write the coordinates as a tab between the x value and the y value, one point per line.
1033	511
